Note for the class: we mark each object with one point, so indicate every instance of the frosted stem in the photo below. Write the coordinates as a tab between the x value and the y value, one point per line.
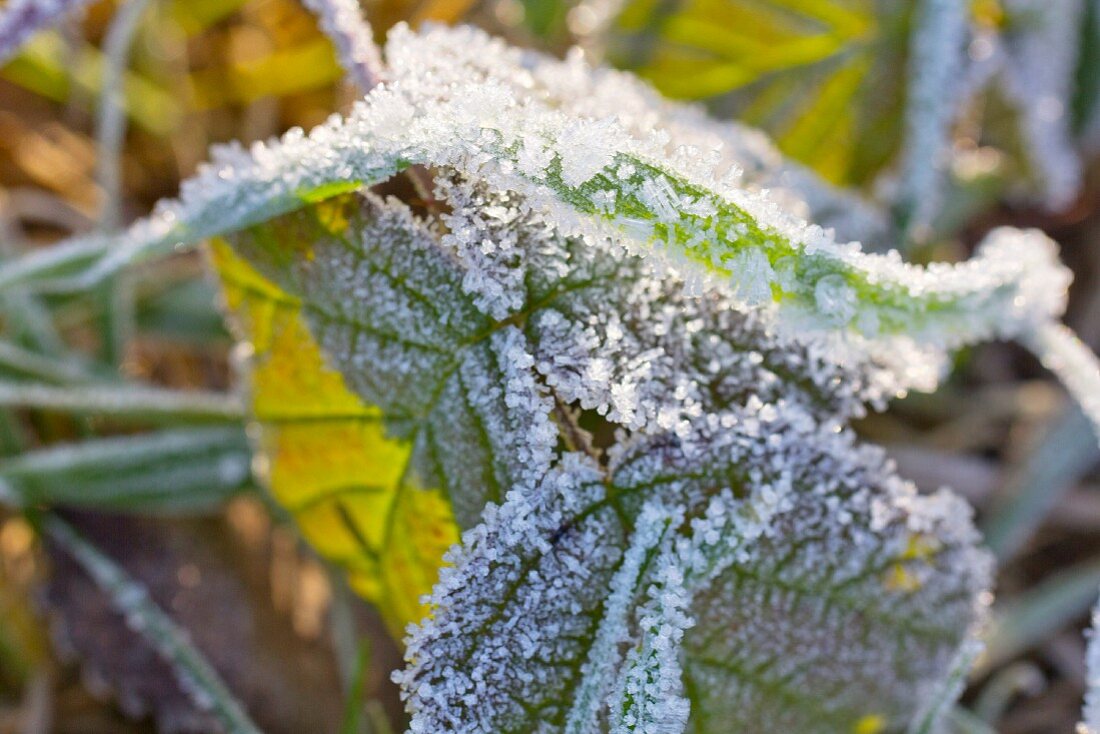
1064	354
937	56
343	22
111	118
121	452
65	371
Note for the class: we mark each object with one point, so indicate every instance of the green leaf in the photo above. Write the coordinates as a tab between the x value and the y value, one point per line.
1021	623
466	359
1034	486
804	620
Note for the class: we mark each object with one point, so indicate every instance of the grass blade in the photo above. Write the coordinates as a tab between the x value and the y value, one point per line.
169	471
18	359
124	400
197	677
1030	619
1058	461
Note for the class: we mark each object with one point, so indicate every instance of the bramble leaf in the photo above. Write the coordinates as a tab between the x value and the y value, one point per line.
811	590
726	468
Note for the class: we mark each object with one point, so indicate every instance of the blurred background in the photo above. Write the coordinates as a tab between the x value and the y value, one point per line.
165	488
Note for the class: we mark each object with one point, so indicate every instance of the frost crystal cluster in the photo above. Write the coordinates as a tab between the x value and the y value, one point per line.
610	337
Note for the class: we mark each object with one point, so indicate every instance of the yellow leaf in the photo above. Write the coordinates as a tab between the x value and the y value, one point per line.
446	11
311	65
45	66
328	458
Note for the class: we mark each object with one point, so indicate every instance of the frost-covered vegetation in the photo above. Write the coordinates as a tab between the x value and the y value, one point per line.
575	414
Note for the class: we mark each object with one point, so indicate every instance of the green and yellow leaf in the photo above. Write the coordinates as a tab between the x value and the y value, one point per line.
328	459
819	75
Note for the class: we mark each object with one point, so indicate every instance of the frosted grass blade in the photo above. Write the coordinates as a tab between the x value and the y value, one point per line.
197	678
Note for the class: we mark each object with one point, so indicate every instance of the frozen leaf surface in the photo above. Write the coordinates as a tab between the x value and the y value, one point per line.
593	574
795	580
623	177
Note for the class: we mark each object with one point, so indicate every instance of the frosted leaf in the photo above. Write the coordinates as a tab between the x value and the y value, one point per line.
602	258
386	304
529	582
343	22
775	639
650	196
601	93
798	549
1091	722
728	430
19	19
